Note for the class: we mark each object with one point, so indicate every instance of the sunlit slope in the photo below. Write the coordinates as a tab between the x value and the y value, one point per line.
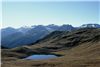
79	48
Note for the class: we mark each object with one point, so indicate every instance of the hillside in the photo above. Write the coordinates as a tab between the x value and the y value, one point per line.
28	35
79	48
69	39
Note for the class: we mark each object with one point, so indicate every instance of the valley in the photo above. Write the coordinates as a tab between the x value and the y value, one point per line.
77	48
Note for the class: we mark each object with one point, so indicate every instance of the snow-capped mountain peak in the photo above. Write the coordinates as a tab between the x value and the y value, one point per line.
90	26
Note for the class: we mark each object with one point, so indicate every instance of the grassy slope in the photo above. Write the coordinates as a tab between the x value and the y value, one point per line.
85	54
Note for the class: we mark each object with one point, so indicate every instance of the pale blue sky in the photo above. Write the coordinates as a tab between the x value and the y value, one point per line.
17	14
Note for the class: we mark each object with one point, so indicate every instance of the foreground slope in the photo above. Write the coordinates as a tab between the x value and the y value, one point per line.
79	48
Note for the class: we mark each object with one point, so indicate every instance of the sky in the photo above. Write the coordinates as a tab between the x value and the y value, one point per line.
76	13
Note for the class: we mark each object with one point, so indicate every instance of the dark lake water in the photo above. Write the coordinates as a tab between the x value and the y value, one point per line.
41	57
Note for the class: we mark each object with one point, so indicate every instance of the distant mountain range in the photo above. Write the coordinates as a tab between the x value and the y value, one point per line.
11	37
90	25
